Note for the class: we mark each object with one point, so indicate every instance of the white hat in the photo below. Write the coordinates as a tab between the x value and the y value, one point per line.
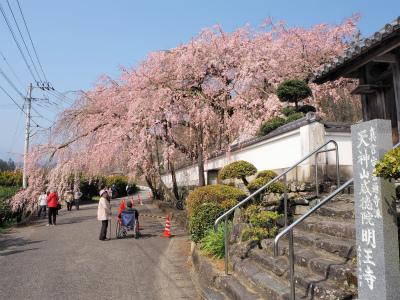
102	192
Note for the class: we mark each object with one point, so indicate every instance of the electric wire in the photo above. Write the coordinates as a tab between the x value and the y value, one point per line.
30	38
11	69
16	42
11	83
23	40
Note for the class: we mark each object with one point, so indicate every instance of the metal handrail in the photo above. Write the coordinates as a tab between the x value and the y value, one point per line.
261	189
289	230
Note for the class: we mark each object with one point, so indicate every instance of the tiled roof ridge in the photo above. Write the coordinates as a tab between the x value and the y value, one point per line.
359	48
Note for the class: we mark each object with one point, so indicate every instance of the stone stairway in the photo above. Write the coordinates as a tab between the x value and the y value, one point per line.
325	263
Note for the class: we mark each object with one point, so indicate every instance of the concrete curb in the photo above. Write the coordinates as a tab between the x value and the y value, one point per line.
205	275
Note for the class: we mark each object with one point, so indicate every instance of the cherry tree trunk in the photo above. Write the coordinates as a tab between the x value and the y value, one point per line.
175	189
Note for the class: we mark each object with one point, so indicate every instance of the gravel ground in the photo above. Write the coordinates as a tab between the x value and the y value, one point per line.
68	261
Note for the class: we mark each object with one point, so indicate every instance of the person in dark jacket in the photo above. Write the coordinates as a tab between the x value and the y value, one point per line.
52	203
130	209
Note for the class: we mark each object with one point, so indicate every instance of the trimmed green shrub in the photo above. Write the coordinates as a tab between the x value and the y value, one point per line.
294	117
264	218
212	194
389	166
258	234
203	218
251	210
288	110
228	204
293	90
239	169
270	125
306	108
263	224
213	242
266	174
11	178
276	187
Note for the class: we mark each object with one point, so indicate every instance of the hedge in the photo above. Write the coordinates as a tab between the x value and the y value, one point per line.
212	194
11	178
203	218
120	183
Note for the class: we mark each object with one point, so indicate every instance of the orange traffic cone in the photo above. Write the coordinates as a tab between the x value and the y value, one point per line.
139	200
167	229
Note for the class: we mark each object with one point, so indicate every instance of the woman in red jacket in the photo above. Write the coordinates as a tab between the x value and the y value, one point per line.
52	202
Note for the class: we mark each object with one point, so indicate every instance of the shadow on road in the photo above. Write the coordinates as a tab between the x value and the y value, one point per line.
64	220
6	243
16	251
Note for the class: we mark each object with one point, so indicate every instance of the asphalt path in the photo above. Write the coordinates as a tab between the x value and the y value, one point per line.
68	261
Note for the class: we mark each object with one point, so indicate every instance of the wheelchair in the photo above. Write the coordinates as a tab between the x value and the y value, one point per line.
127	223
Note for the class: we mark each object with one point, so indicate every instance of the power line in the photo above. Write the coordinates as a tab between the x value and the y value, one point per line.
16	41
11	69
23	40
11	83
30	38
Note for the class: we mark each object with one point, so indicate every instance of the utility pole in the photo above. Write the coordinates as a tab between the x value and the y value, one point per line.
28	105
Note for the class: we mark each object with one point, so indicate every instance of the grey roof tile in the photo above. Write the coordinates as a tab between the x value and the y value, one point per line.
359	48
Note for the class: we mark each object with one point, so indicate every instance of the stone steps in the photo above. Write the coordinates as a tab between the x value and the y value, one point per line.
332	227
273	288
308	260
324	252
209	293
337	209
236	290
339	246
272	277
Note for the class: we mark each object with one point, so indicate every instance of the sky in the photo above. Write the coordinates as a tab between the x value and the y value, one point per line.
77	41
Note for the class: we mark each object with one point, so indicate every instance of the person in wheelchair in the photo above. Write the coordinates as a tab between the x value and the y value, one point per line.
128	220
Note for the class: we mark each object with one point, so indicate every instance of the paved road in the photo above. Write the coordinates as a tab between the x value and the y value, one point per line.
68	261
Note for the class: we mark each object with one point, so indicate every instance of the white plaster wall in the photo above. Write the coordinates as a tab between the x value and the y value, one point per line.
343	140
279	153
344	143
275	153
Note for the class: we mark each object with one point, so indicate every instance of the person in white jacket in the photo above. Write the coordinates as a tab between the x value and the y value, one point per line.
42	204
104	213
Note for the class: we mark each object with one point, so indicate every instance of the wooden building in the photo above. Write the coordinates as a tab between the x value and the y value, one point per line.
375	61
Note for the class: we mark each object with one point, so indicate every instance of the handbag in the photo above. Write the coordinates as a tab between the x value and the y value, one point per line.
59	206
